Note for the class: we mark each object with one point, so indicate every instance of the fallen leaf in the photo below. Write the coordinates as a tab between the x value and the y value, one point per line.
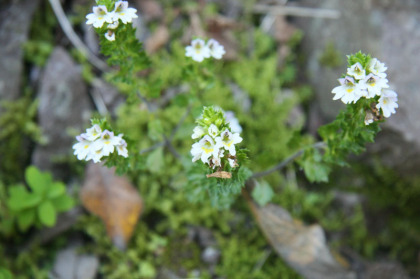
303	247
114	200
220	174
157	40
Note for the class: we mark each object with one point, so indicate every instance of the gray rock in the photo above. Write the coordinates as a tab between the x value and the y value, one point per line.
15	19
389	30
64	105
210	255
69	264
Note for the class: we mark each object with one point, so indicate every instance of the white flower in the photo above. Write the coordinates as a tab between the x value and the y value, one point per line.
204	149
95	155
349	91
198	50
216	49
123	12
99	16
369	118
107	143
122	149
377	68
113	25
110	35
232	163
83	147
233	122
374	85
217	159
228	141
213	131
198	132
356	71
388	102
93	133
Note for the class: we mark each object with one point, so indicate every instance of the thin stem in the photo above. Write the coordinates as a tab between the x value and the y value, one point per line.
74	39
289	159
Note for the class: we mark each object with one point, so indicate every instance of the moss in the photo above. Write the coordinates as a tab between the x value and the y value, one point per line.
331	57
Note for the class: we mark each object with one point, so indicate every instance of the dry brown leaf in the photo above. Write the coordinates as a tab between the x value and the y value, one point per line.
158	39
114	200
220	174
302	247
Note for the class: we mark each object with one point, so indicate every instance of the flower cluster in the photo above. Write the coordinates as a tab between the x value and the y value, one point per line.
101	15
198	50
216	135
95	143
368	81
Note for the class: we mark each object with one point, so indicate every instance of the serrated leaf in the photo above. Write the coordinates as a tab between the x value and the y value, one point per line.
63	203
56	189
26	218
262	193
155	161
316	171
47	214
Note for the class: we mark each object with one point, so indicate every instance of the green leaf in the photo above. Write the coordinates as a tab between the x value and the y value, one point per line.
155	161
37	180
21	199
155	130
316	171
25	219
47	214
56	189
262	193
5	273
63	203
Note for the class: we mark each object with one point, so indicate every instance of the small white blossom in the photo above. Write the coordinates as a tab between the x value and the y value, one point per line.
198	50
82	148
107	143
217	158
122	148
123	12
110	35
356	71
198	132
95	155
228	141
349	91
388	102
235	127
213	131
377	68
99	16
216	49
113	25
369	118
374	85
204	149
232	163
93	133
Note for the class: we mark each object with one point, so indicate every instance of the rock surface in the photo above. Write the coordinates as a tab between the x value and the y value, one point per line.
389	30
15	19
70	265
64	105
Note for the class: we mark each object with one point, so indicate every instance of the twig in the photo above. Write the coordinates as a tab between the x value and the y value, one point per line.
153	147
297	11
74	39
286	161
